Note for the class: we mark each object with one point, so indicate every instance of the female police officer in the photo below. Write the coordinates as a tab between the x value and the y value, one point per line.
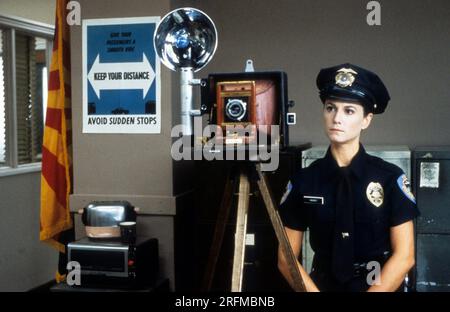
359	208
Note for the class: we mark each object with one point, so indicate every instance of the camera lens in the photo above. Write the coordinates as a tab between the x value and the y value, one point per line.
236	109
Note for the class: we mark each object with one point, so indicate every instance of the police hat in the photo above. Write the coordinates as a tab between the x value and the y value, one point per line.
353	83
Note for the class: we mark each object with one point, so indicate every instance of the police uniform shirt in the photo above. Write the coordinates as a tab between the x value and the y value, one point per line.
381	199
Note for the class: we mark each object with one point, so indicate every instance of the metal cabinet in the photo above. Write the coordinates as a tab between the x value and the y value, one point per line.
432	188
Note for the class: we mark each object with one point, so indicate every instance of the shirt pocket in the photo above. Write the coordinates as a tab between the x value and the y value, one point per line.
320	210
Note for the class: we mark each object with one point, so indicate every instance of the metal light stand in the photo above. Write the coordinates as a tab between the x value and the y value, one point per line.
185	40
187	82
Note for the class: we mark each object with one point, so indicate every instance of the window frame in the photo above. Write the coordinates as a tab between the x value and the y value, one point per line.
10	25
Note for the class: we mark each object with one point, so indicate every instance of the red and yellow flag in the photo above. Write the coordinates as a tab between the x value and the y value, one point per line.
56	174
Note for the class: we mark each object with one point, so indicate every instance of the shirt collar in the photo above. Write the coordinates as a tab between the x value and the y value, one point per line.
356	165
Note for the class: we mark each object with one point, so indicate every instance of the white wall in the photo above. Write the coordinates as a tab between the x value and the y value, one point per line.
25	262
37	10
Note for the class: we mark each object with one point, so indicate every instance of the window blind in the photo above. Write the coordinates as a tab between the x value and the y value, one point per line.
29	109
2	106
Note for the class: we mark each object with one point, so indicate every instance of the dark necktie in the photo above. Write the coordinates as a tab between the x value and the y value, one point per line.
342	259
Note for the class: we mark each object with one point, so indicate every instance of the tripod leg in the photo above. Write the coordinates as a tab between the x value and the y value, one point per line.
219	232
241	231
280	232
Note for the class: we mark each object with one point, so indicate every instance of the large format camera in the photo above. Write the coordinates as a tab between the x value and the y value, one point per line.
256	101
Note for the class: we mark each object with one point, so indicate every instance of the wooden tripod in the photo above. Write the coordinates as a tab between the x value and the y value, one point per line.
242	176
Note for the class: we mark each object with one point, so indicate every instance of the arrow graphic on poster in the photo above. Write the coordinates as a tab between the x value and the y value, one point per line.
121	76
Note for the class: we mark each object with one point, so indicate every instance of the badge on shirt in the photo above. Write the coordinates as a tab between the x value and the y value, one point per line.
375	193
404	185
286	193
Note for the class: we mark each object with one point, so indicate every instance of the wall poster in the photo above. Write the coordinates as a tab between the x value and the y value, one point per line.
121	76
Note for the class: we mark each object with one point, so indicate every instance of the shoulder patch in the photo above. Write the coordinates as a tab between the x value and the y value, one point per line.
404	185
286	193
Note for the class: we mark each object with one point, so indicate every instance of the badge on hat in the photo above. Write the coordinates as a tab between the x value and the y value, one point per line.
375	193
286	193
404	185
345	78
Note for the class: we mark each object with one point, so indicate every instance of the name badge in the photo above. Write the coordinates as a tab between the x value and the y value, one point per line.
315	200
